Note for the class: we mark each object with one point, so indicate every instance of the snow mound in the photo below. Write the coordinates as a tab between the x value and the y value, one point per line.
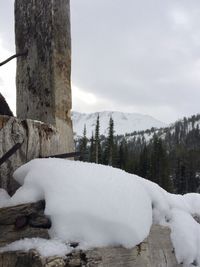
96	206
88	203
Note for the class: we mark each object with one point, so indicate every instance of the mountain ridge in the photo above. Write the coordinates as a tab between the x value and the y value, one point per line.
124	123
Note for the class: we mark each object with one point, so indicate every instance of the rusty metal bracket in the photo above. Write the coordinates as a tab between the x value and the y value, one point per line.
12	151
65	155
14	56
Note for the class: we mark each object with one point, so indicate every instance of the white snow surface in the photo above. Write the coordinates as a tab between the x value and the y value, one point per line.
123	122
97	205
4	197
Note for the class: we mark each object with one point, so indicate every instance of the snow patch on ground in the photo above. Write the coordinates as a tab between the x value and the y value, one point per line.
46	248
97	205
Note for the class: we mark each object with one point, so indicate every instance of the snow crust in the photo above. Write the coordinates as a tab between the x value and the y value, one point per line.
97	205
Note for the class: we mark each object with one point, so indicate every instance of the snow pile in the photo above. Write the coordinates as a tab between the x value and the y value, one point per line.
97	205
88	203
185	237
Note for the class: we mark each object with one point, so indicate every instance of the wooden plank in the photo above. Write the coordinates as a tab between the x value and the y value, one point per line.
23	221
147	254
8	215
9	233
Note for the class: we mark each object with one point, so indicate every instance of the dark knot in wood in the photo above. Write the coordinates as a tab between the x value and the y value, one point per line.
21	222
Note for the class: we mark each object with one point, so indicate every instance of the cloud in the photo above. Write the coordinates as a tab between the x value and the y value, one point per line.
180	17
85	101
7	78
7	24
137	56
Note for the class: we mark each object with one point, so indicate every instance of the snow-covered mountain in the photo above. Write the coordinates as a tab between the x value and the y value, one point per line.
181	128
123	122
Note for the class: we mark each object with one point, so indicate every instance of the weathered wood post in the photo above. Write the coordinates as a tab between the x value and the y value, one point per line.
44	77
42	31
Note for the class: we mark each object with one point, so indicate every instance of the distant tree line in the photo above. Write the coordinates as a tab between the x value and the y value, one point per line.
168	156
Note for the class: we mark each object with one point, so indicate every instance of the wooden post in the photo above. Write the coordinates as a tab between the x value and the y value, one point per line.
43	77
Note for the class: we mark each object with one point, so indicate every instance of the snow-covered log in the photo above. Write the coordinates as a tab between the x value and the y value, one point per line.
155	251
109	216
37	140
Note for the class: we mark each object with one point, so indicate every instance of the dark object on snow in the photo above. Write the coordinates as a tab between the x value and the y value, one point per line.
74	244
4	108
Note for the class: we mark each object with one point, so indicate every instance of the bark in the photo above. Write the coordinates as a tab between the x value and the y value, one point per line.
23	221
43	78
37	139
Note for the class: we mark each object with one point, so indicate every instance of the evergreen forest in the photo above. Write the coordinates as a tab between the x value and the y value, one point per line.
168	156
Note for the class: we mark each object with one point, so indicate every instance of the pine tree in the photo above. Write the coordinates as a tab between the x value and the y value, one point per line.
121	161
143	169
92	149
83	146
110	142
159	165
123	154
97	142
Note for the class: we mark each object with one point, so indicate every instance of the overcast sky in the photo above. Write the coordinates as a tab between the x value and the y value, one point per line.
134	56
